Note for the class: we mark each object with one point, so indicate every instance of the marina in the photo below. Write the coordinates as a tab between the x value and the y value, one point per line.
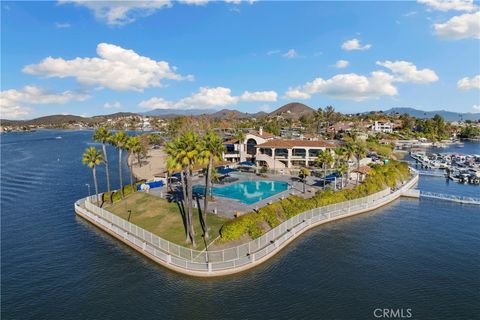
462	168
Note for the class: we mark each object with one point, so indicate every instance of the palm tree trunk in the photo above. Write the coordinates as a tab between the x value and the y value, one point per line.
120	170
95	183
324	175
104	148
207	193
139	160
185	206
190	207
130	166
358	169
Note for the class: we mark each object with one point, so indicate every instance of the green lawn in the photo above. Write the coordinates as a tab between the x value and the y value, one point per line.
163	218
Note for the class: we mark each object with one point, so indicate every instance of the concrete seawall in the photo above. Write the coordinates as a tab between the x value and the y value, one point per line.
252	260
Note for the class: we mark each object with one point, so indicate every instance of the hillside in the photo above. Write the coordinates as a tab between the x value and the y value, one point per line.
167	113
292	110
447	115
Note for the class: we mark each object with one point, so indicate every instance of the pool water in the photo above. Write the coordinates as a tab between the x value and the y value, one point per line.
248	192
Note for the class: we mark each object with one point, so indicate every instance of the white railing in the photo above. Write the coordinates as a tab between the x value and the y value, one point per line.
235	257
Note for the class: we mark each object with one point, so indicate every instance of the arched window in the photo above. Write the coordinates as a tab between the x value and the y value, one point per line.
251	146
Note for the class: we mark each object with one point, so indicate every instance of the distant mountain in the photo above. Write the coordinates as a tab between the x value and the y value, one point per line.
116	115
292	110
230	114
56	119
447	115
180	112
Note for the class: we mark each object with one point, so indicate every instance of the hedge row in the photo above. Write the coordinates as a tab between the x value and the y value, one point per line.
380	177
114	196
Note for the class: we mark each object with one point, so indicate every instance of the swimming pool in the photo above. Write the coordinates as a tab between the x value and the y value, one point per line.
247	192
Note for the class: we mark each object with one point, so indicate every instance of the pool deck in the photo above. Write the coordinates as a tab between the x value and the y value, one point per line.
228	207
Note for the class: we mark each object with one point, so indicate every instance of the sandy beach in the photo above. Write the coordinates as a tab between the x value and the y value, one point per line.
154	164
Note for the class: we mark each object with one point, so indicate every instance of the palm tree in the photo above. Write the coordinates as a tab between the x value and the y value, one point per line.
92	158
213	149
133	147
325	160
349	153
240	136
103	136
319	117
173	148
342	169
303	174
185	152
119	141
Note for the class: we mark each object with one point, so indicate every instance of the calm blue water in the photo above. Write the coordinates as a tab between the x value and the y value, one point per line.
248	192
417	254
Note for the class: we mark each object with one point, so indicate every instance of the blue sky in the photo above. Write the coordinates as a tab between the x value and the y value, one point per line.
91	58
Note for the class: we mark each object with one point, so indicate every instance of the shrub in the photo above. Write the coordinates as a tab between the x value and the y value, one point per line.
381	176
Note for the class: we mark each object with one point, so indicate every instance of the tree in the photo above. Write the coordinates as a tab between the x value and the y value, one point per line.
303	174
133	147
184	153
325	160
349	153
119	140
342	169
213	149
103	136
319	117
240	136
93	158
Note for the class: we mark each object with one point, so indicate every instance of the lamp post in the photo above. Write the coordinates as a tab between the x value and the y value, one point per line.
88	187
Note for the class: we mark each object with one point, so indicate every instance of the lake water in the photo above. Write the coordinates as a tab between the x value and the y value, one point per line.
422	255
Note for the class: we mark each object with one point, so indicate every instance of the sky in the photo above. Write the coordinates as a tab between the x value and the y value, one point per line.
99	57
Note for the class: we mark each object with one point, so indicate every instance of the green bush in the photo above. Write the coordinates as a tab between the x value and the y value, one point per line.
380	177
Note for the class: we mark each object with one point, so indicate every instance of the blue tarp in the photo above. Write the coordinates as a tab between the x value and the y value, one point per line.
152	184
332	176
224	170
246	163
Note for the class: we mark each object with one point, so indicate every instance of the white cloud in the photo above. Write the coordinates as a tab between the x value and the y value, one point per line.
290	54
476	108
296	93
354	44
115	68
273	52
410	14
14	104
341	64
357	87
469	83
195	2
63	25
446	5
117	13
207	98
405	71
348	86
113	105
460	27
267	96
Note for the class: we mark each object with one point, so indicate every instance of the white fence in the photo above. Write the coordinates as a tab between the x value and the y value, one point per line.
231	258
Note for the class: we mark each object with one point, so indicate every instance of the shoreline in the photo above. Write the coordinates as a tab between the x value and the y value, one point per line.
205	269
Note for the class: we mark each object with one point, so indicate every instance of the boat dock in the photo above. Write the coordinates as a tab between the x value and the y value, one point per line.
449	197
